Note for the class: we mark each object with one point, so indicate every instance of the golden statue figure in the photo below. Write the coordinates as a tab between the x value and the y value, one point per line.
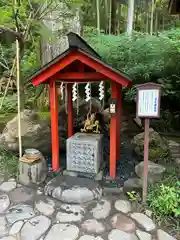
91	124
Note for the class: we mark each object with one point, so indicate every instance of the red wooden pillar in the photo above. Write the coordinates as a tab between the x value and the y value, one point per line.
119	109
70	110
115	130
54	125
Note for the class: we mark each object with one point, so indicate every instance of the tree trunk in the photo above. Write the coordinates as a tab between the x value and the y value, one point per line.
113	17
147	17
119	19
110	11
152	17
163	22
130	17
142	22
106	15
156	21
98	16
60	22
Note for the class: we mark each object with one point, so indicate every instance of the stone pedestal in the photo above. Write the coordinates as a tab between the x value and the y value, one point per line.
84	152
32	172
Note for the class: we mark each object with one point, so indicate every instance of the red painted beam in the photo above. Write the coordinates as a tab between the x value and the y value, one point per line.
55	68
70	110
77	81
54	125
81	76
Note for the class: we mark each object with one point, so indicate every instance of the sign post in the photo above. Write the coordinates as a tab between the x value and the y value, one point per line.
147	107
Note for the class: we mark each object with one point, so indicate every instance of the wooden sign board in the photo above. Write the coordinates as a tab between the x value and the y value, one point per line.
147	106
148	100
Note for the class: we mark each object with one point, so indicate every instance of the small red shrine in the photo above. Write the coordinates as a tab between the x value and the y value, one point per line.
81	64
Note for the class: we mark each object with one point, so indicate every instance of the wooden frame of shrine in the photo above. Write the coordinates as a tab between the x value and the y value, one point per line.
81	64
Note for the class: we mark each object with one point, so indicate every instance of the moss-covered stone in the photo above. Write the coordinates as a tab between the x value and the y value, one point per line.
158	147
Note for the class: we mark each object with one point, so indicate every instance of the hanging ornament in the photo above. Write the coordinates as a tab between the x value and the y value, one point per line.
74	92
101	90
62	90
75	96
87	92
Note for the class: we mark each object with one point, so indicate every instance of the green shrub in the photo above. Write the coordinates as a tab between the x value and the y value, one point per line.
143	57
9	104
8	164
164	200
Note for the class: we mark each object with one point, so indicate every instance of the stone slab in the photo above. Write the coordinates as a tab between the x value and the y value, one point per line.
73	189
3	226
92	226
120	235
123	206
4	202
144	221
164	236
19	212
143	235
35	228
16	227
7	186
70	213
123	223
63	232
102	209
46	208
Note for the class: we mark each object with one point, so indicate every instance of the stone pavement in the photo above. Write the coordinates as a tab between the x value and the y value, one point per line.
29	214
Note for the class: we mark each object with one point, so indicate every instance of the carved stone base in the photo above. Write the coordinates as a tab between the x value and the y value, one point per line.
84	152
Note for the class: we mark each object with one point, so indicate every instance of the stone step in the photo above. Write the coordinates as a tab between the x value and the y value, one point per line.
175	155
174	147
177	160
177	151
173	144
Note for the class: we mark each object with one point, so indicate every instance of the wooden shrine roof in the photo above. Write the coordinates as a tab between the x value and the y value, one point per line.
78	50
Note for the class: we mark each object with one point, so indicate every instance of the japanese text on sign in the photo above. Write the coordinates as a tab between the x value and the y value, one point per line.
148	101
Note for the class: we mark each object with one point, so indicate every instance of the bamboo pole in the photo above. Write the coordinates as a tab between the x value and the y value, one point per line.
18	92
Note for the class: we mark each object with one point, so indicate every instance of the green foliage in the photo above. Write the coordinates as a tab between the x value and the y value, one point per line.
143	57
10	104
8	164
169	122
164	199
30	61
133	196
